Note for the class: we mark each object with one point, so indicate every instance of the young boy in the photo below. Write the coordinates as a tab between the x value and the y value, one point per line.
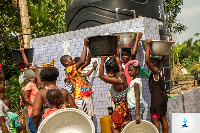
14	125
55	98
81	87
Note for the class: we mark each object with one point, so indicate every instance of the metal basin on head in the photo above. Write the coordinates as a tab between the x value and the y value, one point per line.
127	39
159	47
69	120
30	74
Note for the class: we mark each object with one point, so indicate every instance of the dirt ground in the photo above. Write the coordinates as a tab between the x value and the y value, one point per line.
183	86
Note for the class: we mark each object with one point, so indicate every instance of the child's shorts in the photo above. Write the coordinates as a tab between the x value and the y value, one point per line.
155	116
141	111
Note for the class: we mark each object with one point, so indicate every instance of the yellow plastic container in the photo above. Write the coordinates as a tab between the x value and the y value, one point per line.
105	123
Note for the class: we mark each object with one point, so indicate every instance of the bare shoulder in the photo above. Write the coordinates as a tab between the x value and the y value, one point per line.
64	90
42	92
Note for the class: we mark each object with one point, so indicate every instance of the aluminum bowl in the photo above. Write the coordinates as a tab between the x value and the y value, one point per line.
126	39
30	74
159	47
69	120
143	127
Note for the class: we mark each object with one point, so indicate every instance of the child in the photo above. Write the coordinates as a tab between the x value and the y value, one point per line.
4	121
134	93
157	88
25	108
14	125
126	55
81	87
31	90
120	117
55	99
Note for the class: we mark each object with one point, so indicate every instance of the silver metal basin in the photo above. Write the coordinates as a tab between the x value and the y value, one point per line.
159	47
67	120
126	39
143	127
30	74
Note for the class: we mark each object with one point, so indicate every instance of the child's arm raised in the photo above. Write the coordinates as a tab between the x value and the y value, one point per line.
107	79
135	47
117	56
147	58
84	54
87	62
137	98
34	68
91	70
24	58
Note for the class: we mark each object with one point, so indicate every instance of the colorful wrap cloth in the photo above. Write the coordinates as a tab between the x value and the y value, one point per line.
81	86
121	115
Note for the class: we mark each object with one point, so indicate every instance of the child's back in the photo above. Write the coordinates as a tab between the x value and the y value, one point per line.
55	99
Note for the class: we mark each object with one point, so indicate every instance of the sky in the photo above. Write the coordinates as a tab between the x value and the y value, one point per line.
190	17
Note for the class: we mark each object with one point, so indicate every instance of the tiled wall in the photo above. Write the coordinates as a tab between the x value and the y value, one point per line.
185	103
71	43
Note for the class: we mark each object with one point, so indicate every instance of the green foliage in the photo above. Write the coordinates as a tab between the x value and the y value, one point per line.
13	90
186	63
173	8
46	18
191	51
177	49
186	77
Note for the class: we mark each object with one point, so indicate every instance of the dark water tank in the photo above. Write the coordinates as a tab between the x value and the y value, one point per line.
88	13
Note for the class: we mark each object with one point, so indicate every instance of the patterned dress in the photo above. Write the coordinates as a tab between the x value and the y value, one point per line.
121	115
81	86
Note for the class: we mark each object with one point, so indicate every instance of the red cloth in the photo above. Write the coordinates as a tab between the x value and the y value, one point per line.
49	111
0	66
127	74
21	66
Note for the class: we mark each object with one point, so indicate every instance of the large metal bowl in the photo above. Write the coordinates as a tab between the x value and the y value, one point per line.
159	47
30	74
126	39
143	127
67	120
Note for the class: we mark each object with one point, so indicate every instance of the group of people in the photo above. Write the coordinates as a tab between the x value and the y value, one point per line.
42	96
